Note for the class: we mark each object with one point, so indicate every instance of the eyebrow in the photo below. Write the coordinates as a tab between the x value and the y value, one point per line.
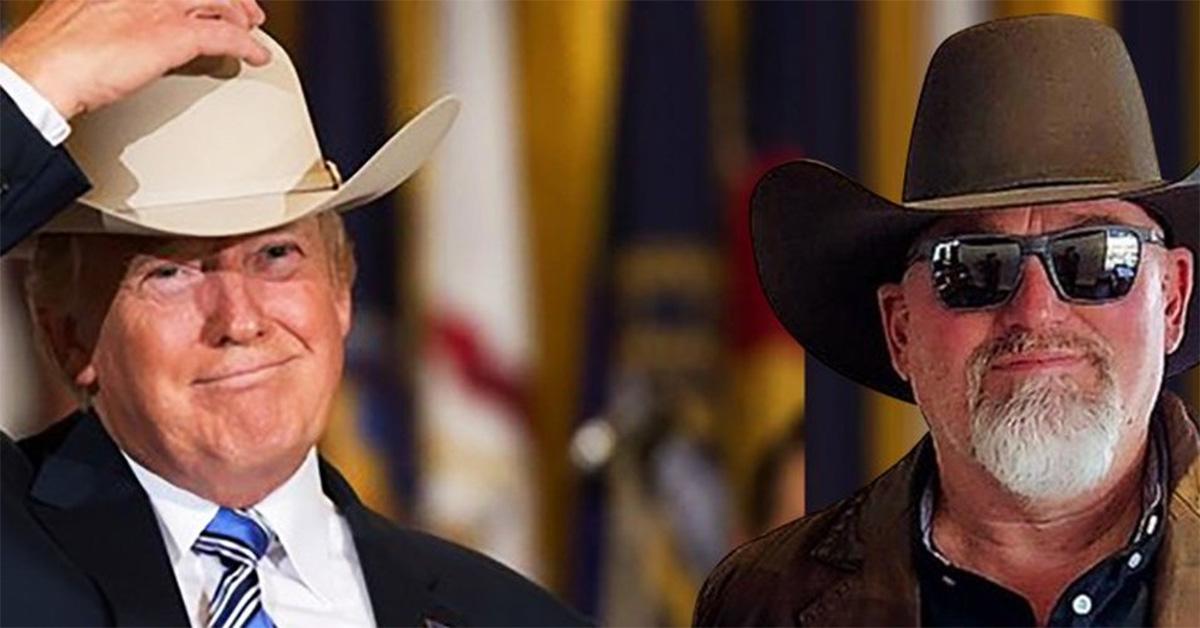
187	248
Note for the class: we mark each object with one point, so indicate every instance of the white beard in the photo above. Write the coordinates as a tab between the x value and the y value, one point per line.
1048	440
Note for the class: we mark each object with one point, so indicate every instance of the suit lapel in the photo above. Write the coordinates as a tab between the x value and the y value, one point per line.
87	499
401	588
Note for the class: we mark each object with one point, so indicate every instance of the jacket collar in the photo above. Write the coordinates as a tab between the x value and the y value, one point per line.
870	539
1177	574
402	588
87	499
90	503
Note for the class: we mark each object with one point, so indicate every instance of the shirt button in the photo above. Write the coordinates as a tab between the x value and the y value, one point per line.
948	580
1082	604
1135	559
1151	524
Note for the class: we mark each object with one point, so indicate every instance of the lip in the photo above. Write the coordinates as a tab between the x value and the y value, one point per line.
1038	360
242	376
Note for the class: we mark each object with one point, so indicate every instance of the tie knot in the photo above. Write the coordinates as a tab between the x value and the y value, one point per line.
234	535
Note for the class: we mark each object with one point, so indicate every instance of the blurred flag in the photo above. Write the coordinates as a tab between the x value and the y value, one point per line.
1156	34
655	362
802	100
477	483
370	434
783	121
568	53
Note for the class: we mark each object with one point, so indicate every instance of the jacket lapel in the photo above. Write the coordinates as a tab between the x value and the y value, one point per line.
88	501
871	543
1176	600
400	586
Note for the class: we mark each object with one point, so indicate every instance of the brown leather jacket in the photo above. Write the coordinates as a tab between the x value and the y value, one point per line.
851	564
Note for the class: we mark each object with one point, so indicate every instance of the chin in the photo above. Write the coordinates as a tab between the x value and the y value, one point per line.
260	460
1048	439
247	433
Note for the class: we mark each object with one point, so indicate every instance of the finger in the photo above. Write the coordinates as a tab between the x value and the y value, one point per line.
228	10
255	11
219	38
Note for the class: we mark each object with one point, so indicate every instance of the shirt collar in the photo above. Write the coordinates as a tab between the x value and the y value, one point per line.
1150	523
297	512
182	514
301	516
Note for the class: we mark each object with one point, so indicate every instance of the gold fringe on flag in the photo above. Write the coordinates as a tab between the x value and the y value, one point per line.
567	62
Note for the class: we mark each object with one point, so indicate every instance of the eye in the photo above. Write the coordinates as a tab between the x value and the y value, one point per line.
165	271
169	279
279	251
278	260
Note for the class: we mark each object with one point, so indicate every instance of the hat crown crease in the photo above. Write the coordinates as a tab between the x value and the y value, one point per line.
989	120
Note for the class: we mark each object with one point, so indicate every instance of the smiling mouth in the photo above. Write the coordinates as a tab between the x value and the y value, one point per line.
243	376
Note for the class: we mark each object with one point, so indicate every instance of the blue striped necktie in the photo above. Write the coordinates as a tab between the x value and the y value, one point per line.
238	541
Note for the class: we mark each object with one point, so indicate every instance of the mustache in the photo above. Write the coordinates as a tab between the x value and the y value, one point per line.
1018	341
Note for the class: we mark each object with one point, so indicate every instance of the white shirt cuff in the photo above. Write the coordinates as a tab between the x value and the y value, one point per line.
44	117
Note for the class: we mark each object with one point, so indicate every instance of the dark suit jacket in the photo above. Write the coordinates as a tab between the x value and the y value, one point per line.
38	584
36	179
86	498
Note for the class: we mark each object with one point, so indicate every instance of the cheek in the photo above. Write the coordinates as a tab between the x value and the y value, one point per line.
1134	329
141	372
940	347
306	311
307	314
138	348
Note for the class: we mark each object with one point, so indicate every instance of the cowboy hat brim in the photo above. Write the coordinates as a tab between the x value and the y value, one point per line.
823	244
390	166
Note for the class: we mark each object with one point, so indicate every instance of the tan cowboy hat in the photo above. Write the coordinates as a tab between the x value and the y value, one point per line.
224	148
1013	113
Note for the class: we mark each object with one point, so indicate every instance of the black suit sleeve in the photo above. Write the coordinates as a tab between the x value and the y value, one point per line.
36	179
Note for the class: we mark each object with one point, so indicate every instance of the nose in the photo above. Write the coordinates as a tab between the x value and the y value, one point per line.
1036	304
234	313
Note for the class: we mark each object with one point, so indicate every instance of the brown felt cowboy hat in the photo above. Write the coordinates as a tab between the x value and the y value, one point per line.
1013	113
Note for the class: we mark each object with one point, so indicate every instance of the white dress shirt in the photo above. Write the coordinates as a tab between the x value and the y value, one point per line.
44	117
310	574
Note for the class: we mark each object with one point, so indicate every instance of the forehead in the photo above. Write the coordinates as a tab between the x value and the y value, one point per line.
1044	218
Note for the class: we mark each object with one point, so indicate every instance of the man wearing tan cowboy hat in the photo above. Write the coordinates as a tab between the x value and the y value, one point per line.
1029	295
197	300
70	57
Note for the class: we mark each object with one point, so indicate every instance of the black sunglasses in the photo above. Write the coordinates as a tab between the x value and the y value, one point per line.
1086	265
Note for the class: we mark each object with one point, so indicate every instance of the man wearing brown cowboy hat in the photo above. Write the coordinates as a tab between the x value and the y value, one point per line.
197	298
1029	295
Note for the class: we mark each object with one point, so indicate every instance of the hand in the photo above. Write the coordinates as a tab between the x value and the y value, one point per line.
84	54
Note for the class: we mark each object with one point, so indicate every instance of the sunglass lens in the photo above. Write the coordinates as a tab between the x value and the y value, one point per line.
1098	265
975	273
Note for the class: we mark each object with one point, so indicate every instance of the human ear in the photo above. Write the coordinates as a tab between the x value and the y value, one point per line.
893	311
1177	292
68	350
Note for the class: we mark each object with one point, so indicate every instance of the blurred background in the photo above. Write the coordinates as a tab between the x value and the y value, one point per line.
560	352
